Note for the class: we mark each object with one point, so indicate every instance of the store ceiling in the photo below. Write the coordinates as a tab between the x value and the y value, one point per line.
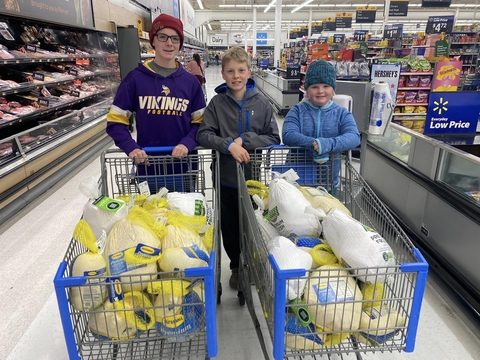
217	23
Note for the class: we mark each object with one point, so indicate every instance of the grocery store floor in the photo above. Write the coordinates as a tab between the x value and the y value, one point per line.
34	242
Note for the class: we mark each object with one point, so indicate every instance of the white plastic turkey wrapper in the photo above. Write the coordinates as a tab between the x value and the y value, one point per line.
290	212
358	246
288	256
190	204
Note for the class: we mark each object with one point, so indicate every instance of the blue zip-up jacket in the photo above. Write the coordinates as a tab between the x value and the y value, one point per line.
226	118
332	126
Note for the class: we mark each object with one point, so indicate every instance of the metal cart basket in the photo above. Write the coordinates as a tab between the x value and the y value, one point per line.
183	338
403	290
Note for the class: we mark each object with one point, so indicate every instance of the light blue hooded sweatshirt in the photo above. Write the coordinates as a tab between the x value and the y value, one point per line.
332	126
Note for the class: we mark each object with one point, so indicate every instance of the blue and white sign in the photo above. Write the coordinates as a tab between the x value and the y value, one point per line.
338	38
388	74
439	24
262	38
452	113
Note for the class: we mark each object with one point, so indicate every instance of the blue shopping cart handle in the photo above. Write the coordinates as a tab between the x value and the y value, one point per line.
152	149
279	146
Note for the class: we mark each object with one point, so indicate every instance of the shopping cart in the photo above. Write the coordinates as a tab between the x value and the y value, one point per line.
403	291
120	176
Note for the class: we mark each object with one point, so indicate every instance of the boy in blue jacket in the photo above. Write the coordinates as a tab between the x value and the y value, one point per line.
317	123
237	121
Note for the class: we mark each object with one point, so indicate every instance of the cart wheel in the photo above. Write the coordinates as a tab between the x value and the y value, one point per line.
241	298
219	294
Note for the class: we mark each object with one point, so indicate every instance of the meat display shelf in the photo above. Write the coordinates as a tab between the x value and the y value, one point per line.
46	111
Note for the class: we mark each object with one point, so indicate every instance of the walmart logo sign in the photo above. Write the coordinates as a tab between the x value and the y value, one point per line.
440	106
452	113
262	38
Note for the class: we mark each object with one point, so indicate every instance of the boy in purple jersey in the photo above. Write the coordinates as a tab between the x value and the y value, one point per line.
168	101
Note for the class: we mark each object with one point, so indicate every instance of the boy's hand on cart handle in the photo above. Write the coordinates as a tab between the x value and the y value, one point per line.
239	153
315	145
139	156
180	150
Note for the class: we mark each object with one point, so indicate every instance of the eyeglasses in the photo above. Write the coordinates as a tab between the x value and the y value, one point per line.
164	38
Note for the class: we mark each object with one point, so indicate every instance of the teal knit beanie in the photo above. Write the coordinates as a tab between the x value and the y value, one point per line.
320	72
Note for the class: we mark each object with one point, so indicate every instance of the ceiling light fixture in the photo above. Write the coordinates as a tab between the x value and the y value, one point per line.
209	26
248	27
199	2
270	5
301	6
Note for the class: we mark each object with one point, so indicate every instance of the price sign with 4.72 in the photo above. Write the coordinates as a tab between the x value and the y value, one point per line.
439	24
393	31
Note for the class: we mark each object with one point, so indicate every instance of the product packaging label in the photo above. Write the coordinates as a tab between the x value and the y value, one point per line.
114	287
108	204
333	291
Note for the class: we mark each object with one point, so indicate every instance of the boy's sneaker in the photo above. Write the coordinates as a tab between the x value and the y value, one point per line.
233	282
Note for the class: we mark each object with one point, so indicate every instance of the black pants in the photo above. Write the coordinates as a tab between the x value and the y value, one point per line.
230	224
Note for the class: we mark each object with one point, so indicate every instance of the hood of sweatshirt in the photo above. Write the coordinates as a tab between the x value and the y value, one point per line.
251	86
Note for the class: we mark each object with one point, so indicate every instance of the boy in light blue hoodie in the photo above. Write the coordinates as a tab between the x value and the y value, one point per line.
317	123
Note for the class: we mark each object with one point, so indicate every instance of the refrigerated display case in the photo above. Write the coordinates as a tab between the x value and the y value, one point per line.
434	189
56	83
282	93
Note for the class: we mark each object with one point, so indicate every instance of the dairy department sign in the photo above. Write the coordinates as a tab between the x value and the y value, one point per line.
452	113
218	40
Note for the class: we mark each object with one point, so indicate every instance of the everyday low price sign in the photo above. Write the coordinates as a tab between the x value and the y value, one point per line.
439	24
452	113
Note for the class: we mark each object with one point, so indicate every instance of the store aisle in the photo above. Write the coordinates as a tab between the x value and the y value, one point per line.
33	245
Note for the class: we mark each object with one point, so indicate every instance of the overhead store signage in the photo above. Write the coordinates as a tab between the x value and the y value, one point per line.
294	34
317	27
452	113
439	24
187	15
393	31
436	3
398	8
322	40
220	39
360	35
329	24
366	14
71	13
303	31
338	38
236	39
262	38
343	20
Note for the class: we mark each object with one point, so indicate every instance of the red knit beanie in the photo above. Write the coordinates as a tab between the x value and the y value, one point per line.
166	21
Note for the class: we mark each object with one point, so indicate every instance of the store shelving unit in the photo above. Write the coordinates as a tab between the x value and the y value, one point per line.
55	91
466	45
413	120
